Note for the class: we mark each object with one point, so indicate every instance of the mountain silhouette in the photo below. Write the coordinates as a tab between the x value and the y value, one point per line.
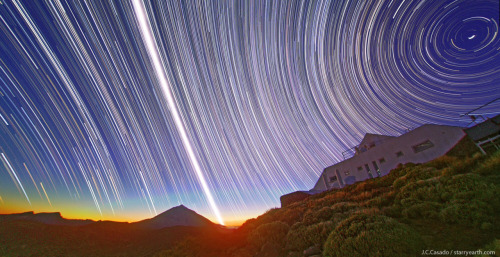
50	218
176	216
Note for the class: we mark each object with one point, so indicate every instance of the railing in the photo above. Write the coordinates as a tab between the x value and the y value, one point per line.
349	153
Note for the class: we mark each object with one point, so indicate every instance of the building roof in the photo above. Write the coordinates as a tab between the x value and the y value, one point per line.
485	129
373	139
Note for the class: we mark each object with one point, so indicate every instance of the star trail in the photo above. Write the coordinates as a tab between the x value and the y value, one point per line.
120	110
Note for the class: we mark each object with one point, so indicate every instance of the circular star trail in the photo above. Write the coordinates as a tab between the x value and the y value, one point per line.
263	96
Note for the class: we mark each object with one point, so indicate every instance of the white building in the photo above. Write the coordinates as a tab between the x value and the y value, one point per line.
376	155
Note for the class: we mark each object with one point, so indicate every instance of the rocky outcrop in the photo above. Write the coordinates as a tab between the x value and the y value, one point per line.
312	251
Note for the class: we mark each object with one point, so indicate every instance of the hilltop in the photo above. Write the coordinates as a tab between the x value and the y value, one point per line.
176	216
448	203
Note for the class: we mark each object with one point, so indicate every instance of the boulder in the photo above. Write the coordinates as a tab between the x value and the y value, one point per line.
313	250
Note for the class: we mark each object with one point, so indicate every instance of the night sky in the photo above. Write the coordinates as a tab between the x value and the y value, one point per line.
122	110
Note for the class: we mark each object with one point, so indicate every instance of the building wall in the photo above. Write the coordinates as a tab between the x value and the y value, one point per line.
412	147
293	197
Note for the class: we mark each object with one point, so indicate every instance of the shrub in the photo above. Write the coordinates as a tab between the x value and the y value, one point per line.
187	247
449	171
343	207
459	186
301	237
421	173
316	216
418	191
318	233
490	165
486	226
468	213
378	201
323	214
413	173
291	215
399	182
372	235
393	211
274	233
461	166
385	181
362	196
296	239
493	246
422	210
441	162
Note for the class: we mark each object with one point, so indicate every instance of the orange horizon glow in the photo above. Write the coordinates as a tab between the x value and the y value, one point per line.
78	215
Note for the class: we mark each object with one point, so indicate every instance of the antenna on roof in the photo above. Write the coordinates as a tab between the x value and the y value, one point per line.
473	115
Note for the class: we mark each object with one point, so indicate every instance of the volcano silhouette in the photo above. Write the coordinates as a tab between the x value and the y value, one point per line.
176	216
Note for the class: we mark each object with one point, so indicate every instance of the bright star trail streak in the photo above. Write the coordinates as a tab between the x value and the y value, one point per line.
121	110
15	175
46	194
145	28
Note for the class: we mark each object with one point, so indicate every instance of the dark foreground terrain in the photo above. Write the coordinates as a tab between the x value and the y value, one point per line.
451	203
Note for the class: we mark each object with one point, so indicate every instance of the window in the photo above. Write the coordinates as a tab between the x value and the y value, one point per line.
368	171
399	154
375	166
381	160
339	178
422	146
333	179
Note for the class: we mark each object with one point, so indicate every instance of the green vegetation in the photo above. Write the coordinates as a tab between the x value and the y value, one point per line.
449	203
372	235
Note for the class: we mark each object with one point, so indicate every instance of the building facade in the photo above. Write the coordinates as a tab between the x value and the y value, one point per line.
376	155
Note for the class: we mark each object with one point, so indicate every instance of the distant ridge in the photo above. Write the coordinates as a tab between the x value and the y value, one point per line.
176	216
50	218
27	234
